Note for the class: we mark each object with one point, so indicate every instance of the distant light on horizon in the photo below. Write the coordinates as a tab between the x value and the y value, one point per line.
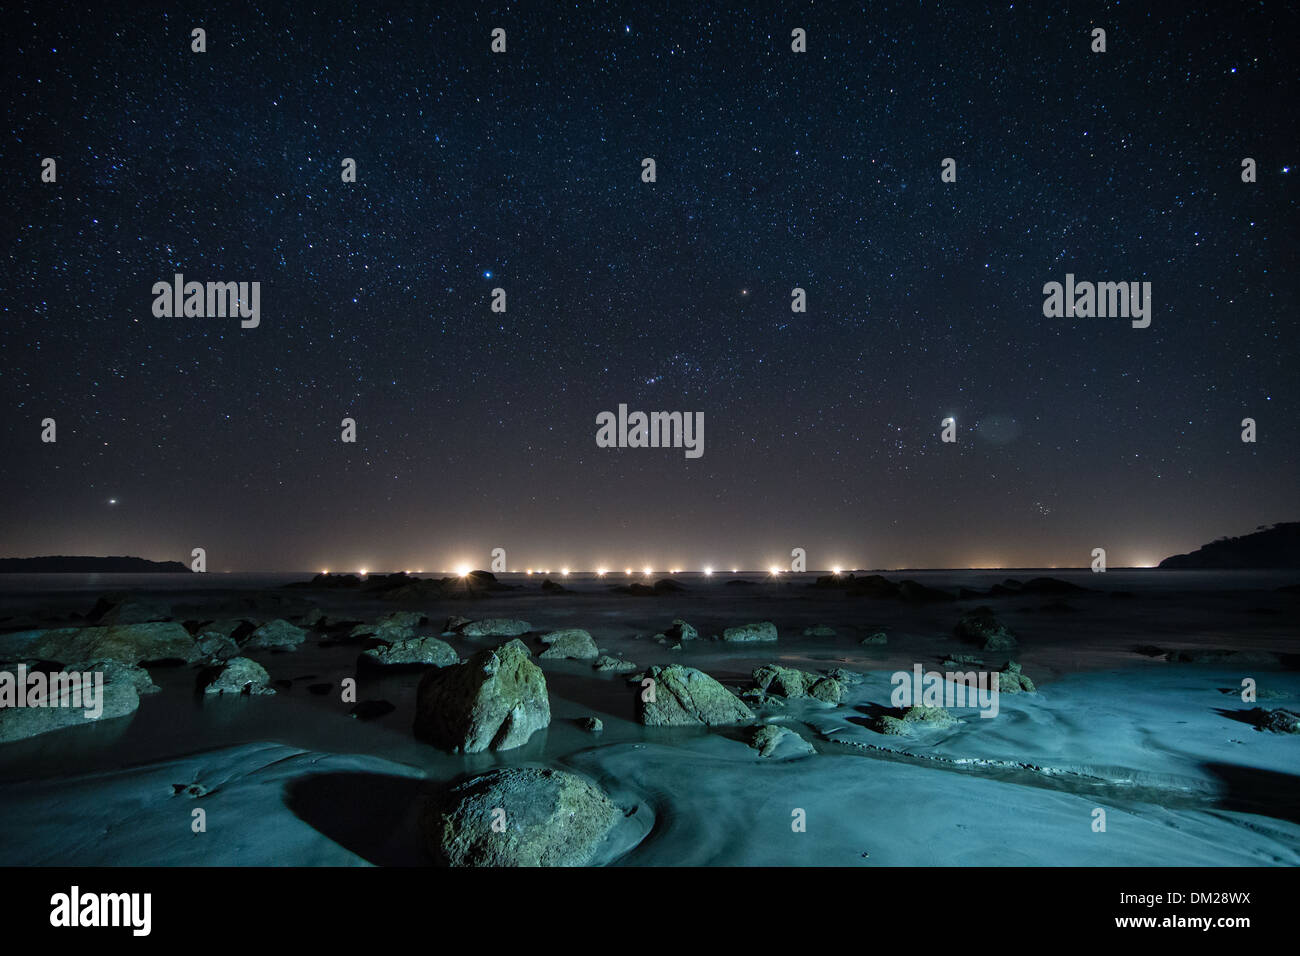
708	572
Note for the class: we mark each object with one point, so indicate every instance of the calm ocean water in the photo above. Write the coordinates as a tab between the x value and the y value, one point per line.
1148	580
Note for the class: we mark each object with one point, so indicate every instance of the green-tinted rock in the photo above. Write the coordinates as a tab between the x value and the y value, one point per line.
545	817
494	700
684	696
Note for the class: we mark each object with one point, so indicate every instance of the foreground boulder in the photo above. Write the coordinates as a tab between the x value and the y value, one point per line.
277	633
237	676
128	643
570	644
415	650
982	627
545	818
495	700
116	696
759	632
684	696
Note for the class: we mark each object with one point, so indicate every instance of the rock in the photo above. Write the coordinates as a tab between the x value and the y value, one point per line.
385	631
875	640
680	631
370	709
828	690
135	675
1278	721
819	630
125	608
551	818
916	593
496	699
916	718
277	633
128	643
792	684
844	676
495	627
117	697
552	588
239	675
455	623
210	645
962	660
980	625
571	644
684	696
607	663
1012	681
592	725
415	650
783	681
770	739
759	632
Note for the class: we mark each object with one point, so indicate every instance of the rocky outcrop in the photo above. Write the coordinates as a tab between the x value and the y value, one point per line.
771	740
763	632
520	816
494	700
983	628
128	643
274	634
570	644
237	676
413	651
607	663
914	719
495	627
1012	681
684	696
104	694
792	684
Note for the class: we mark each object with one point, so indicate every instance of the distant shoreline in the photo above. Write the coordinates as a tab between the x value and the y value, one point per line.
85	564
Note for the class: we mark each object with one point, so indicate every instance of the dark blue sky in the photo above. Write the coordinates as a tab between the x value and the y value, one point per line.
775	170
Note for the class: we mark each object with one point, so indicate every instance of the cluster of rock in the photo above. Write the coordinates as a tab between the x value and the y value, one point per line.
913	719
789	683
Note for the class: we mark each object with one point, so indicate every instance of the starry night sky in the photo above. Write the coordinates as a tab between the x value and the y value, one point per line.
775	170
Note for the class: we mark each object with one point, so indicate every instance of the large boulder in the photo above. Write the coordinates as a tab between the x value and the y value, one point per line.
494	700
237	676
542	817
684	696
496	627
278	633
570	644
104	694
758	632
416	650
128	643
1011	680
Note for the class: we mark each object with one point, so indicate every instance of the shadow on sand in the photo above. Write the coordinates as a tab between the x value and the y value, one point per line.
374	815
